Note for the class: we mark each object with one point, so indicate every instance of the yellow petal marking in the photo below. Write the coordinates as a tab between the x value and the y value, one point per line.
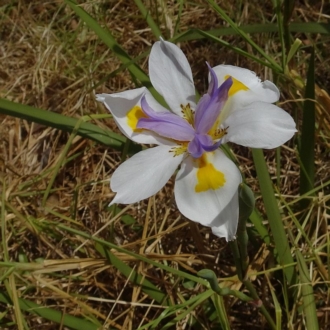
236	86
208	177
133	117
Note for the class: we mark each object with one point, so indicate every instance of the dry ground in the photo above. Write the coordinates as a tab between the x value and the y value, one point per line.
51	60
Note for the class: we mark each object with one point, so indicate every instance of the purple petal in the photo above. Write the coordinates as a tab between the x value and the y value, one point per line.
201	144
204	140
165	124
210	105
195	148
207	143
213	82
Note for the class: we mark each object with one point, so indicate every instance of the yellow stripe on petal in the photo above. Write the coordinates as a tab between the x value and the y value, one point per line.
236	86
208	177
133	117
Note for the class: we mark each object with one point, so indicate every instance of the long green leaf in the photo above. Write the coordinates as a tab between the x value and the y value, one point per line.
306	27
110	41
133	276
288	6
135	255
106	36
235	49
274	216
307	142
148	18
307	294
257	220
61	122
52	315
244	35
277	4
182	309
221	311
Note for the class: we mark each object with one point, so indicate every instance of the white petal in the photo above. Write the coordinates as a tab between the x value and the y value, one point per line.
225	225
205	206
252	90
259	125
144	174
258	91
170	74
120	104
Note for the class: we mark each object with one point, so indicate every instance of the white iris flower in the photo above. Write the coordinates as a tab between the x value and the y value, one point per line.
237	108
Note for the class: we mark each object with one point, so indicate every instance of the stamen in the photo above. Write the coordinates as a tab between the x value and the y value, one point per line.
188	114
179	149
220	132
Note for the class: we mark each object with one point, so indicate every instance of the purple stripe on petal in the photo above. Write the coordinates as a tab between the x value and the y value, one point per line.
194	148
205	140
213	81
201	144
208	144
165	124
210	105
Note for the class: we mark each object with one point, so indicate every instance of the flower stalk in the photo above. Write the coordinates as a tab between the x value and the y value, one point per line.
246	206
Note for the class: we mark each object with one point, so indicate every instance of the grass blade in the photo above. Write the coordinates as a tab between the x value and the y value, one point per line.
244	35
10	281
305	27
293	50
287	14
277	306
52	314
257	220
61	122
274	216
236	49
279	16
307	294
133	276
147	17
135	255
60	162
219	305
307	139
111	42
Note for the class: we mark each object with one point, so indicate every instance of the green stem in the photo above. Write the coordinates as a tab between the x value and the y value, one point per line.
263	309
246	207
237	259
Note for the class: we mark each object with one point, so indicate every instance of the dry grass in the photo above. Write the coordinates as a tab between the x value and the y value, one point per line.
50	60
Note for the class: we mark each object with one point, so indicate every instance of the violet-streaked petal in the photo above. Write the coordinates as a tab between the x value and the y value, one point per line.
209	107
201	144
195	148
204	140
207	143
213	81
165	124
